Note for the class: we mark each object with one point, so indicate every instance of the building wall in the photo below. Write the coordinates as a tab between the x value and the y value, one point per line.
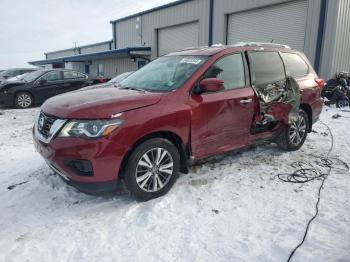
95	48
113	66
61	53
335	50
128	36
222	8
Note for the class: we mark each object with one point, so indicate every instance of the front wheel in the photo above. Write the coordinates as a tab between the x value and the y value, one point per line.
293	137
152	169
24	100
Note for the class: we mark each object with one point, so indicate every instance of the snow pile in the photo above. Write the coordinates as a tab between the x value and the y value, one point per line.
228	209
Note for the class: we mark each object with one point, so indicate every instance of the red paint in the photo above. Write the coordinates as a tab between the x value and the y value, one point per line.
207	123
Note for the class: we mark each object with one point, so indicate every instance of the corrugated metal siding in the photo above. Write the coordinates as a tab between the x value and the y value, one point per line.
128	35
175	38
62	53
113	67
271	23
94	48
341	58
222	8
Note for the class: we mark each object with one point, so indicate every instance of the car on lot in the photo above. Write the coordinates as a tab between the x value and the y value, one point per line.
176	110
14	72
119	78
34	88
114	82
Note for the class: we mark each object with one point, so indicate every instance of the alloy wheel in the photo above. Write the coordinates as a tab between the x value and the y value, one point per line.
297	131
154	170
24	100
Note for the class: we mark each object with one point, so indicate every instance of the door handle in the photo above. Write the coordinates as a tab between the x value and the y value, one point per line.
246	101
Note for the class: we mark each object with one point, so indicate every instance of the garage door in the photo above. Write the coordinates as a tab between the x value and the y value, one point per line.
175	38
283	23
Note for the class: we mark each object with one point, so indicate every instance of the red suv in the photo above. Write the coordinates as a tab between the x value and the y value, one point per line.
180	108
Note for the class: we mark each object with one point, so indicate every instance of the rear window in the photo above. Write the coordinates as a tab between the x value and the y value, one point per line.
267	67
295	65
73	75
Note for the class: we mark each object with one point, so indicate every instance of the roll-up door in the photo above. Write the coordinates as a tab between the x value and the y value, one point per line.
178	37
283	23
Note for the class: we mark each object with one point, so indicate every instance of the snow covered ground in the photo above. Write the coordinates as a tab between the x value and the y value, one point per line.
231	209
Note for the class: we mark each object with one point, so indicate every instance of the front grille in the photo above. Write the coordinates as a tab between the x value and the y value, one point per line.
45	123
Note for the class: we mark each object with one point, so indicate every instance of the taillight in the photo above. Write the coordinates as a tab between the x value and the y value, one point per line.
320	82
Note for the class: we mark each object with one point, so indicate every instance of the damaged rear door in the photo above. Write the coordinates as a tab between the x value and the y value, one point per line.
276	93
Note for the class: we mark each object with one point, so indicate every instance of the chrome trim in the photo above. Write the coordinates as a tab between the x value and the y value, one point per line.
60	173
56	126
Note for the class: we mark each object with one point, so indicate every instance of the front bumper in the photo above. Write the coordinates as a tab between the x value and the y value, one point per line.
104	154
92	188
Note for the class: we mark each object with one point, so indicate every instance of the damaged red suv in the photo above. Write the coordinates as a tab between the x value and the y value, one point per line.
180	108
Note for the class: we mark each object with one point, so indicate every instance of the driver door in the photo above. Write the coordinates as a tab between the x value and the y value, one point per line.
221	120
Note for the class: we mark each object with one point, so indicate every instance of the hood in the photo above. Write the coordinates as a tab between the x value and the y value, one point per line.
11	83
104	85
98	103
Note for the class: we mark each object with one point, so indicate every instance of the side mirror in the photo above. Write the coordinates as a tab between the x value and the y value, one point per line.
211	85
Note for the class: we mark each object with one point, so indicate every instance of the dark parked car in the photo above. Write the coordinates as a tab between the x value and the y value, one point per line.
114	82
14	72
34	88
178	109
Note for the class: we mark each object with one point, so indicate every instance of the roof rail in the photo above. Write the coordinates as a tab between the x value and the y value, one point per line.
260	44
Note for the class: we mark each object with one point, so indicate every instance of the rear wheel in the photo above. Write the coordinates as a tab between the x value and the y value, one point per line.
24	100
152	169
293	137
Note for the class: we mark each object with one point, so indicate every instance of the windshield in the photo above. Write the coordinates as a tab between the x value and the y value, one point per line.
164	74
32	76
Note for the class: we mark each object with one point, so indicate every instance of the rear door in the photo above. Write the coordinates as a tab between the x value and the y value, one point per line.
48	85
227	114
269	80
73	81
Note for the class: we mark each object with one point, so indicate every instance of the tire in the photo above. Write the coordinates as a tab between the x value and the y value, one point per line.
342	103
24	100
144	177
294	135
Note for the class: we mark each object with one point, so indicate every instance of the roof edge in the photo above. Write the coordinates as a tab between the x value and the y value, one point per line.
81	46
67	58
178	2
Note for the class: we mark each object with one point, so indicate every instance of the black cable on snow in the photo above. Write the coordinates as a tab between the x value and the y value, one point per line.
308	171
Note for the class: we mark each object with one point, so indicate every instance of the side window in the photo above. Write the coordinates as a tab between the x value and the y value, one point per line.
230	69
52	76
295	65
80	76
267	68
70	75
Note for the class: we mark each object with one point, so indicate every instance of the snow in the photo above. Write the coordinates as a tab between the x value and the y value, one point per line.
230	208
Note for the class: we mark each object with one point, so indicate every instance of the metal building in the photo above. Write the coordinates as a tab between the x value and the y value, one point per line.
319	28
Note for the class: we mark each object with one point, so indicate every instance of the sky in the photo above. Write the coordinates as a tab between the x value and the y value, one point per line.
29	28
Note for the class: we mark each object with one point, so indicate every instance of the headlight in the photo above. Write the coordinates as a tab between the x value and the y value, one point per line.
89	128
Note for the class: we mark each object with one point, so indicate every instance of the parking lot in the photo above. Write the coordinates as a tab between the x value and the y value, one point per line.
229	208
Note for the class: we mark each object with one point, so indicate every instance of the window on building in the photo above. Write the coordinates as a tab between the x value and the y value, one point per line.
87	69
100	70
295	65
230	69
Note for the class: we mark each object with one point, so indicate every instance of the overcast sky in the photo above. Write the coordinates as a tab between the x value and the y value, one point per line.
28	28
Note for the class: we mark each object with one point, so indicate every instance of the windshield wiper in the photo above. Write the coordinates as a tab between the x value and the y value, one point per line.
132	88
